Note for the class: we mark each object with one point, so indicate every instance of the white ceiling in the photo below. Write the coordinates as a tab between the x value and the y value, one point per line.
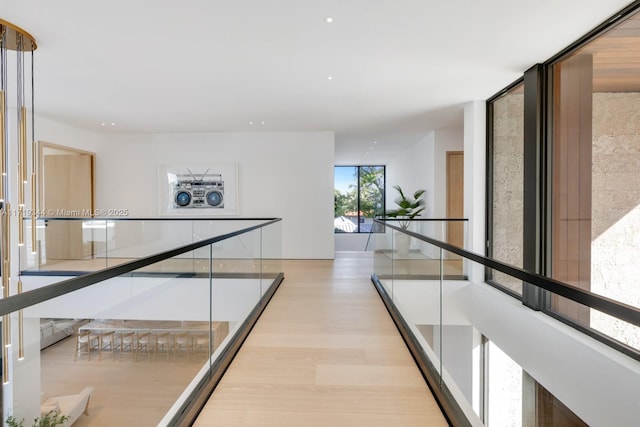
399	68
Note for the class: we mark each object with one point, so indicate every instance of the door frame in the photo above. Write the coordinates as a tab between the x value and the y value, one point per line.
42	146
448	188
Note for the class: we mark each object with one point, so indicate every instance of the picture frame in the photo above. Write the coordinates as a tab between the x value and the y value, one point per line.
198	189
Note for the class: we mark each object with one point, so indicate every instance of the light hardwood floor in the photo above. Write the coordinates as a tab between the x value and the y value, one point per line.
126	393
324	353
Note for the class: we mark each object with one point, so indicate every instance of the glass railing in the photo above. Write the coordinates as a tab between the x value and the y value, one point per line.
87	244
140	341
493	361
400	254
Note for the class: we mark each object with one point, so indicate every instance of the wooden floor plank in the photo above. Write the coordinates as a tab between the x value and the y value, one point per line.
125	392
324	352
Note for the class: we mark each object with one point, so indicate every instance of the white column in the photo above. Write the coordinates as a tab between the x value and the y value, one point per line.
474	183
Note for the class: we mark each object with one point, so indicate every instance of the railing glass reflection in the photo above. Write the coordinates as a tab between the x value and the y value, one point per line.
487	354
87	244
142	342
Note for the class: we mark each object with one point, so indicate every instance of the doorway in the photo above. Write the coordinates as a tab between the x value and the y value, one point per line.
455	197
66	190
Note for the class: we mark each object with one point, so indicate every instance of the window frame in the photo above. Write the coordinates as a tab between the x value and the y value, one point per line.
360	218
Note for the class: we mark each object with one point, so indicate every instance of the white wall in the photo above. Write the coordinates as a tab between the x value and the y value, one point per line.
404	170
424	165
475	182
48	131
452	140
413	169
598	383
287	175
351	241
54	132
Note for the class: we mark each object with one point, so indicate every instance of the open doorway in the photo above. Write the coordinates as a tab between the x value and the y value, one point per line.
455	197
66	189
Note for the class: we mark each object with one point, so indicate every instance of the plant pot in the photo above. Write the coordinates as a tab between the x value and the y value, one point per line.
403	241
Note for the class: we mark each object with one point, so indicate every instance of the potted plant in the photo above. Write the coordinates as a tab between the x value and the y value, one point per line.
51	419
408	208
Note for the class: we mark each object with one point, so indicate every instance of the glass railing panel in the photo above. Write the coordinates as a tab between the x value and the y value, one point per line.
207	227
138	343
489	350
417	294
65	244
451	231
236	276
271	254
130	239
460	341
94	243
381	243
142	336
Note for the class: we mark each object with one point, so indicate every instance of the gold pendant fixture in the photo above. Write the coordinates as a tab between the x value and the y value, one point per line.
15	39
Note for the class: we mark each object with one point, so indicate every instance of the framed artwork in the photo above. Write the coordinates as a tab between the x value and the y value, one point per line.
210	189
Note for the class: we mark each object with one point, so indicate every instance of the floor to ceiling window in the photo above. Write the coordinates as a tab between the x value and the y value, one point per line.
595	175
358	197
507	160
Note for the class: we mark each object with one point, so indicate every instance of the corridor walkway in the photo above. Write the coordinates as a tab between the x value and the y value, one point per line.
324	353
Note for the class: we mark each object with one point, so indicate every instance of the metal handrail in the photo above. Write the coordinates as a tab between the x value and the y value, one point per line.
45	293
606	305
426	219
131	218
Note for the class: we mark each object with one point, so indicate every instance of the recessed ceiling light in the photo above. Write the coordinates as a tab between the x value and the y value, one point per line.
262	122
250	123
329	20
375	142
113	124
330	78
103	124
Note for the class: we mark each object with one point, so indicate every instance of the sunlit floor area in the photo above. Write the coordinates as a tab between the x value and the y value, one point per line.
125	392
324	352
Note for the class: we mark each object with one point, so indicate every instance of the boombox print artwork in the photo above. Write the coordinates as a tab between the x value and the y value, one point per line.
199	191
194	190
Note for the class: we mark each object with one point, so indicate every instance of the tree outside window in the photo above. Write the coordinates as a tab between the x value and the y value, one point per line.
358	197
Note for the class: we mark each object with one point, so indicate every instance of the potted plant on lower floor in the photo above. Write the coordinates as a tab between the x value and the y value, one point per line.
50	419
408	208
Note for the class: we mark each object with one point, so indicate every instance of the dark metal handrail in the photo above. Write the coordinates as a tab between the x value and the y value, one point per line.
606	305
29	298
425	219
129	218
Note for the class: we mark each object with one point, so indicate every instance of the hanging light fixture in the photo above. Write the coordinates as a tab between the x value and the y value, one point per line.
13	38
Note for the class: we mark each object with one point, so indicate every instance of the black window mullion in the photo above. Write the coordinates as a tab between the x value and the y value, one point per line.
532	296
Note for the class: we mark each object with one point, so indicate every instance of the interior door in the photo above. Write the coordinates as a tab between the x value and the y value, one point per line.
455	197
67	191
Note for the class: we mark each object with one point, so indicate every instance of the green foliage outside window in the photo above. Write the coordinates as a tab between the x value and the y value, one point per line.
364	198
